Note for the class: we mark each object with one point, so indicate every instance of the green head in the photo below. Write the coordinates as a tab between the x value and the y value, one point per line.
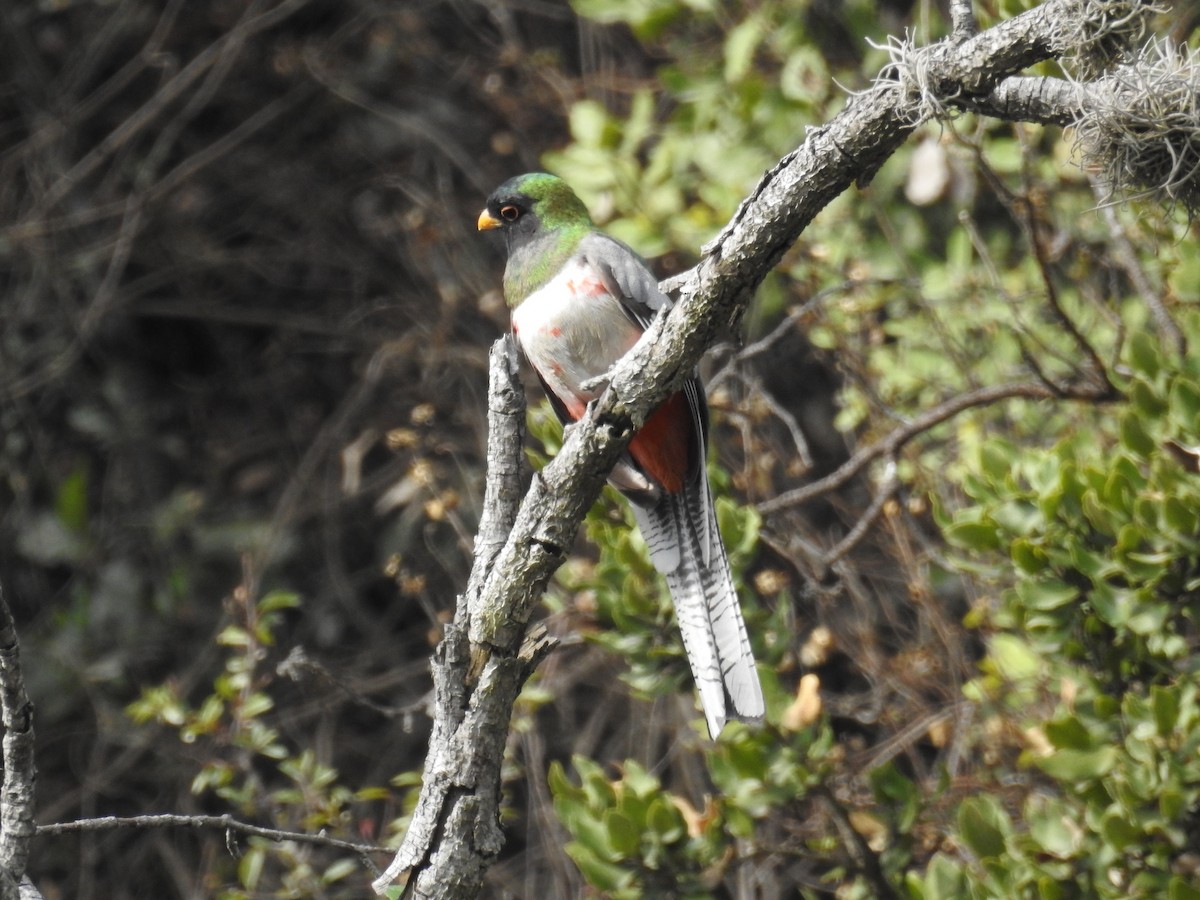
542	221
527	203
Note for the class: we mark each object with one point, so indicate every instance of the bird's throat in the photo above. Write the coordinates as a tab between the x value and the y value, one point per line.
534	259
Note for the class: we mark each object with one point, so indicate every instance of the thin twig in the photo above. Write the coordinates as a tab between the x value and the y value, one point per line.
1033	228
1128	260
865	859
885	493
963	24
163	98
222	823
897	438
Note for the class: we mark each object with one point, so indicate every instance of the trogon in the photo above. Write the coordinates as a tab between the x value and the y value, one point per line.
580	300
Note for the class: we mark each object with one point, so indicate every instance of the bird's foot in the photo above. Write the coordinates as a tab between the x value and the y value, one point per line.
596	386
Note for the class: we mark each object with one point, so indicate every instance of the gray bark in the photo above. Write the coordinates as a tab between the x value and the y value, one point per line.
16	796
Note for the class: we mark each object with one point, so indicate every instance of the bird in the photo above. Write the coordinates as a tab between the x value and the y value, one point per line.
580	300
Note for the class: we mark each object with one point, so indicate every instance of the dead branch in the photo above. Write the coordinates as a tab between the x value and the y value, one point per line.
20	775
225	823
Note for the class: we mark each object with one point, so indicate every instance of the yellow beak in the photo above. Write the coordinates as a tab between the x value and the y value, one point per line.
487	221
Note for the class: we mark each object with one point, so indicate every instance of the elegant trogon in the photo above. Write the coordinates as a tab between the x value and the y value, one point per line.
580	300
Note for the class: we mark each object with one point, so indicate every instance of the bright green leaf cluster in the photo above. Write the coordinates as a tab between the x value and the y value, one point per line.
632	838
1092	646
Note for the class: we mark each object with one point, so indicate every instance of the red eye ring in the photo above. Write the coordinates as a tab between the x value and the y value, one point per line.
509	213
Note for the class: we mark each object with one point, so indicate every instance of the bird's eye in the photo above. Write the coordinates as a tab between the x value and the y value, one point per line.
509	213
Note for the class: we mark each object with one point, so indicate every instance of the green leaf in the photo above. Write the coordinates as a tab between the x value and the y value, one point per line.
944	879
1144	354
1054	825
605	876
1046	594
233	636
1112	604
978	536
665	820
984	825
1150	614
277	600
1180	889
1068	733
898	794
1146	400
338	870
70	502
743	39
1079	765
1018	517
596	787
1118	832
256	704
1185	403
250	867
1134	436
1165	703
1049	888
560	786
1014	658
1029	558
623	836
1184	276
996	459
1179	517
589	123
1171	804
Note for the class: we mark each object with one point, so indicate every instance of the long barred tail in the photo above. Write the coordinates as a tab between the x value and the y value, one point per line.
685	545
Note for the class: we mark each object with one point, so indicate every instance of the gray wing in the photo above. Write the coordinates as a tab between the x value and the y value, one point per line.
626	275
630	280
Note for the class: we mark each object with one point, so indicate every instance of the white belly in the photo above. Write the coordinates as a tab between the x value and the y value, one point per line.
571	330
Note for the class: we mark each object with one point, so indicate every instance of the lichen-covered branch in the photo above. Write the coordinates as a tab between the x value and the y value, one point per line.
16	796
455	831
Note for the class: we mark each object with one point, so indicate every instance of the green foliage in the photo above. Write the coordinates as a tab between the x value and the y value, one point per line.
1076	522
232	729
735	108
631	837
1092	645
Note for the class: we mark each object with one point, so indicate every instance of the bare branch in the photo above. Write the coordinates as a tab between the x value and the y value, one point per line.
963	26
1024	98
227	45
225	823
1128	260
16	796
455	835
896	439
885	493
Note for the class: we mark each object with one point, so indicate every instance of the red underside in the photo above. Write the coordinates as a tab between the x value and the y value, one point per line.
661	447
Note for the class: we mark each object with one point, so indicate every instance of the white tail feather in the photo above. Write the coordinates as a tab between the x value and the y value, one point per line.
706	603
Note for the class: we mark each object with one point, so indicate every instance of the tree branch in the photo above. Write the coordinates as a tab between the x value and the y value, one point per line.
455	833
16	796
890	445
1024	98
221	823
